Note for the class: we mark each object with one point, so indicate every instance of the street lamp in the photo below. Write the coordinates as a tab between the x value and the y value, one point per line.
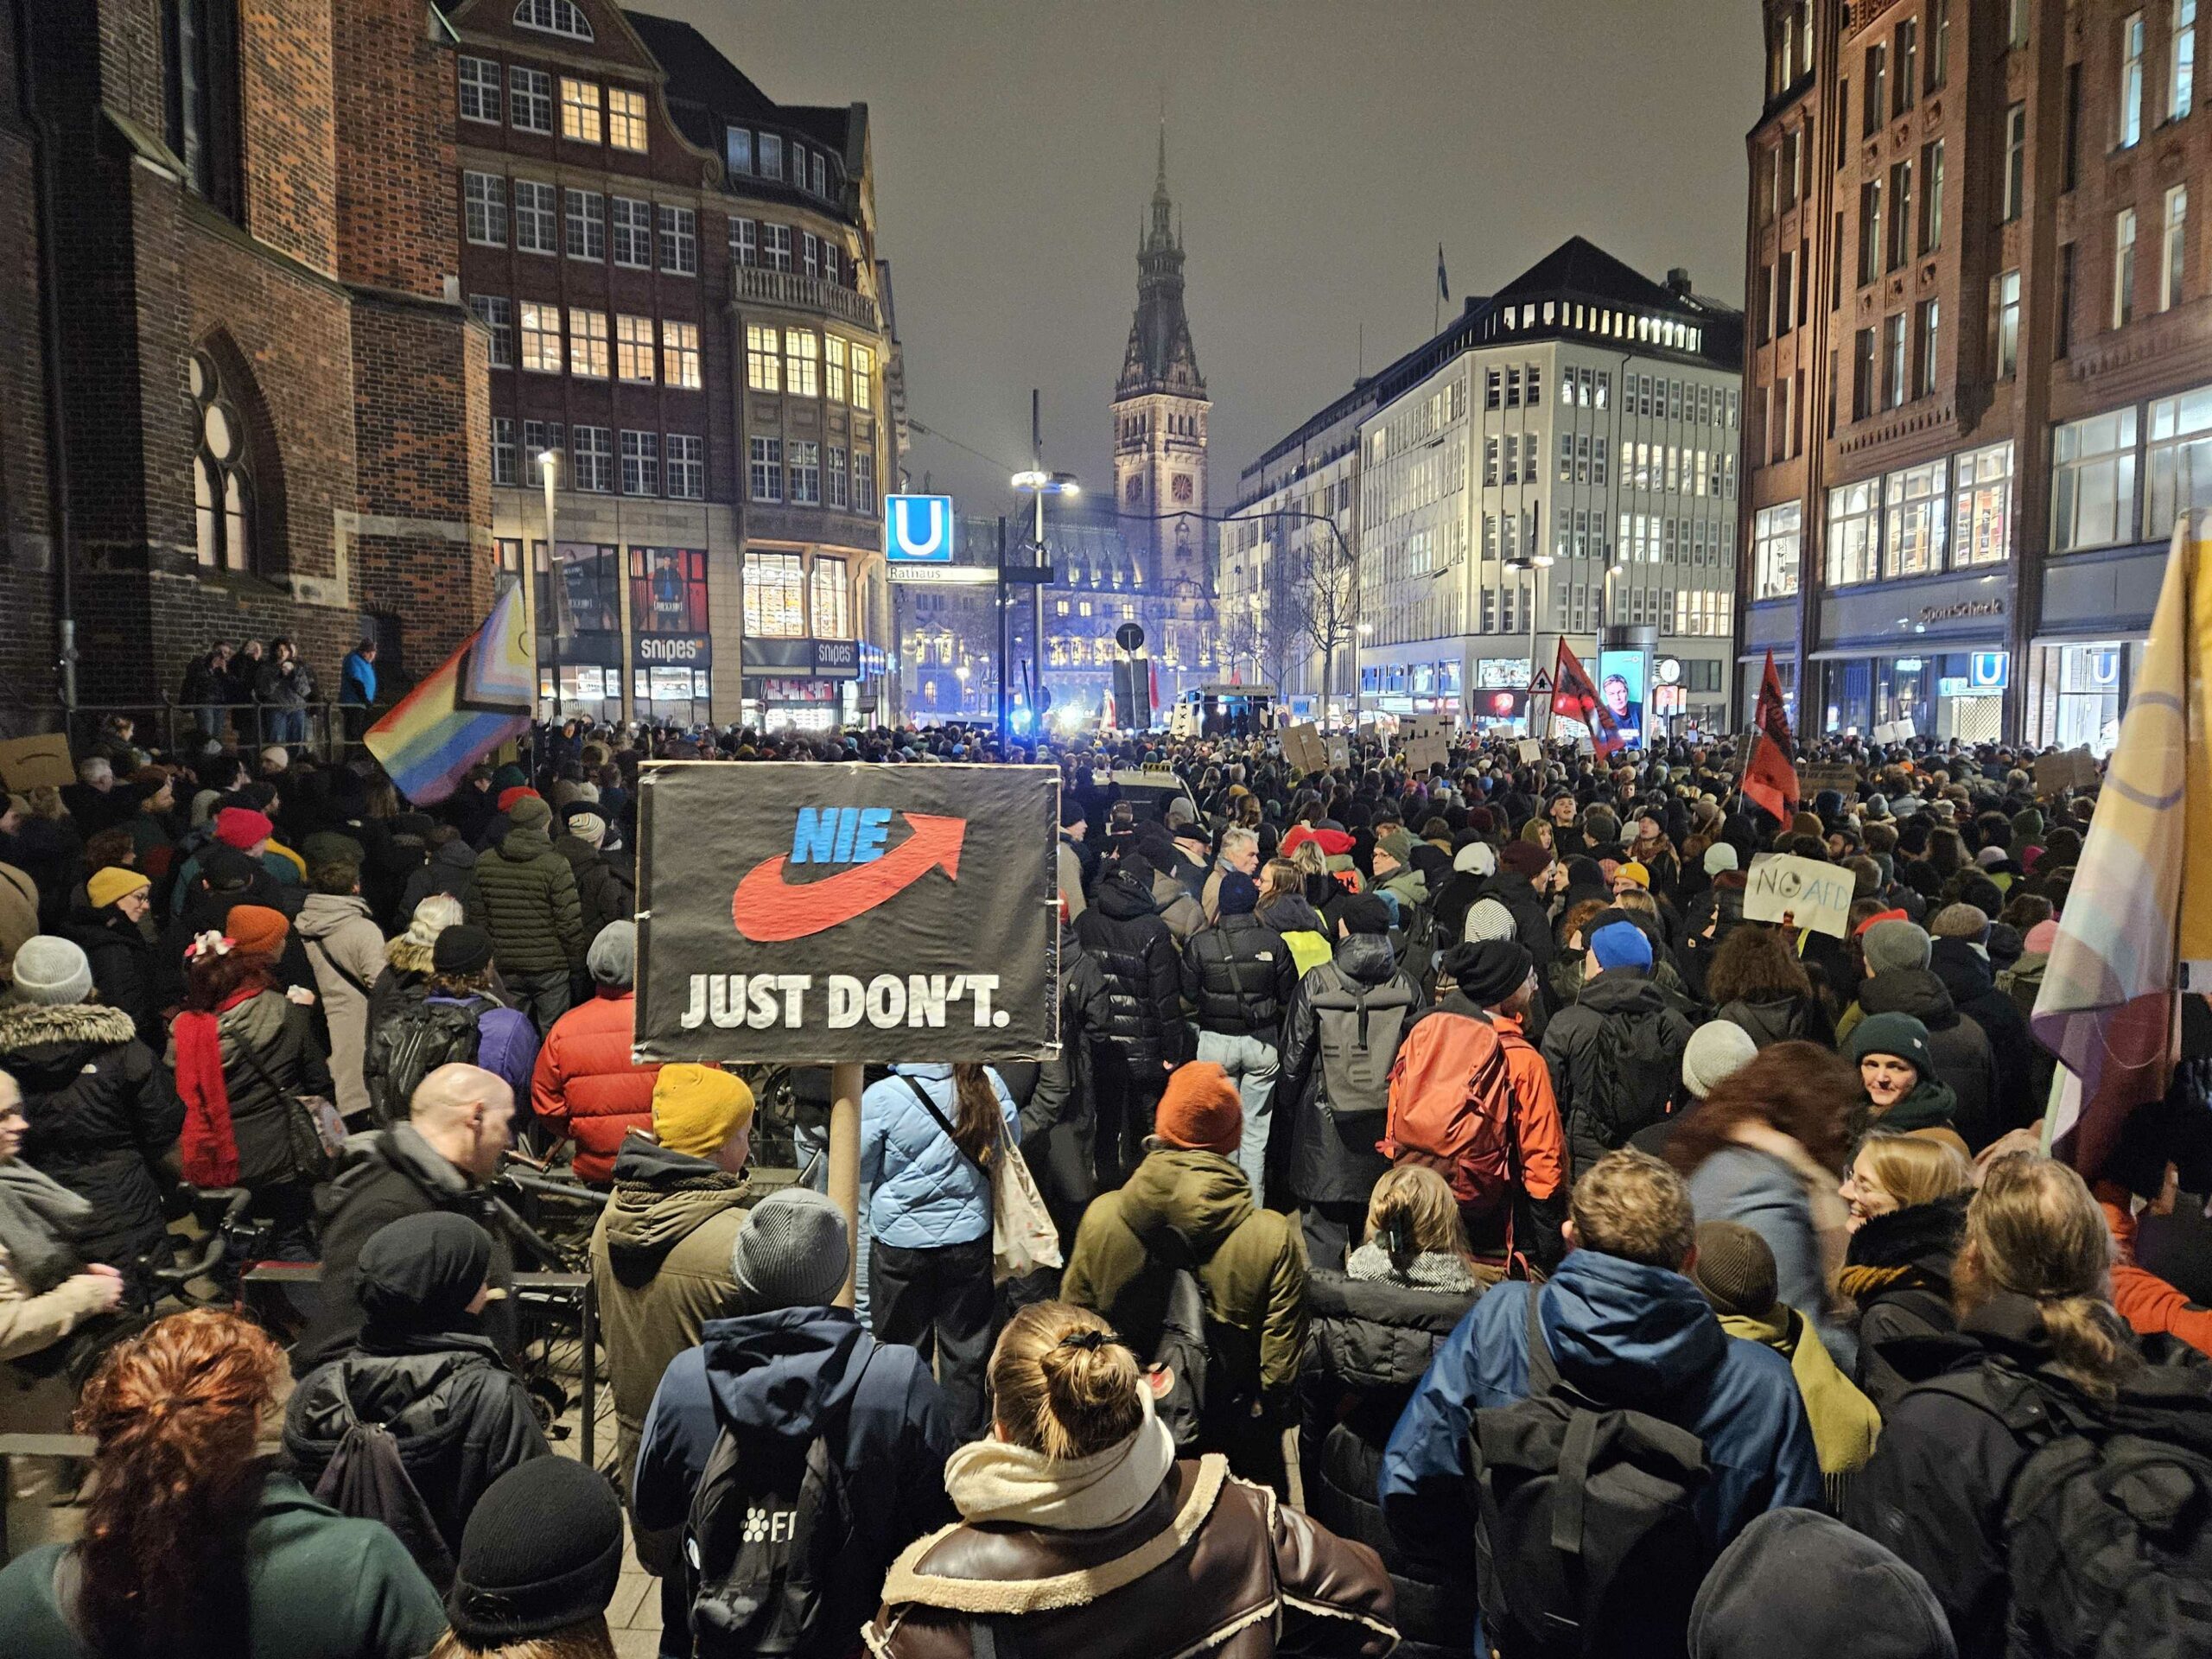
1036	483
1528	566
548	460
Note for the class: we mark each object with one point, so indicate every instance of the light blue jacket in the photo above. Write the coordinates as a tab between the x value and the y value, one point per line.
927	1193
1750	1187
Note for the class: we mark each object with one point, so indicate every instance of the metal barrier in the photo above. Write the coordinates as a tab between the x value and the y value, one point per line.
325	730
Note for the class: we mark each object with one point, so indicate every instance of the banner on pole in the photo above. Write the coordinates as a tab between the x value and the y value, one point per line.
816	914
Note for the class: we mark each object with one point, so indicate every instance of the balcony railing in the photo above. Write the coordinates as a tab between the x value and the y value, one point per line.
804	293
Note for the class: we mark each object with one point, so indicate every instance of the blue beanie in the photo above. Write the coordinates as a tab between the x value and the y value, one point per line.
1237	894
1622	945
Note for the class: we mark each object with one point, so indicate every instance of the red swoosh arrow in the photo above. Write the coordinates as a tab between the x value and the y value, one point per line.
769	910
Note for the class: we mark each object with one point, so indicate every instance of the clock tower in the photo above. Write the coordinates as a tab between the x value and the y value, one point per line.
1159	416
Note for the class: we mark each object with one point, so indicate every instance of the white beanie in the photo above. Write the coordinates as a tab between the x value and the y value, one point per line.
1478	856
50	969
1488	919
1717	1049
1718	857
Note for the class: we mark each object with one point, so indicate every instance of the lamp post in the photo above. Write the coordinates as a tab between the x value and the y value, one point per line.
1037	484
1528	566
555	588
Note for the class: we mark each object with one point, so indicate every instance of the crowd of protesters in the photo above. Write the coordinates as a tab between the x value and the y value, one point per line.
1477	1235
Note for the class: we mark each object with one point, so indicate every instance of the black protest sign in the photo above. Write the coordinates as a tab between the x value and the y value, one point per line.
799	912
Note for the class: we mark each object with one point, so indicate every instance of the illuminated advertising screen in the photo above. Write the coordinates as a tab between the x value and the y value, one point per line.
1621	678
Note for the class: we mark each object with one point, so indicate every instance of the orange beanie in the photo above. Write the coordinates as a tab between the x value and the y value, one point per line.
1201	1110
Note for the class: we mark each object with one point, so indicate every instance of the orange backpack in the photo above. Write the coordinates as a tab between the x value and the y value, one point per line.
1451	1107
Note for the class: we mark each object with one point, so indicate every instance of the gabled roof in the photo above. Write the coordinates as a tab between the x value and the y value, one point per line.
699	76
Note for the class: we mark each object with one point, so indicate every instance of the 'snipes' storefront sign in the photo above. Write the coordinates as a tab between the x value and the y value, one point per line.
672	650
800	913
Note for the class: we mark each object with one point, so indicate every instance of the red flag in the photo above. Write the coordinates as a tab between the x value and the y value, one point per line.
1574	698
1770	774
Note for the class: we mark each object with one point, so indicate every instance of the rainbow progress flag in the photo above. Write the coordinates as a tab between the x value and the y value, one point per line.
474	700
2137	927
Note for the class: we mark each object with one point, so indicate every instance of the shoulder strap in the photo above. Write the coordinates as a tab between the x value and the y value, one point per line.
1543	1370
245	1050
930	1106
338	967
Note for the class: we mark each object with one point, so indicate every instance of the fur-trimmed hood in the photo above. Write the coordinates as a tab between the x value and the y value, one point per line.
30	1025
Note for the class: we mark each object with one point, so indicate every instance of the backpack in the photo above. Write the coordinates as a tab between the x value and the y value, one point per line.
1633	1077
1358	1030
1585	1540
769	1549
413	1043
2108	1526
1417	951
1451	1108
367	1478
1182	1351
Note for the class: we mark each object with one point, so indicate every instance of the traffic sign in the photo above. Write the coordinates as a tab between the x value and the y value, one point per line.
1129	637
917	529
1542	685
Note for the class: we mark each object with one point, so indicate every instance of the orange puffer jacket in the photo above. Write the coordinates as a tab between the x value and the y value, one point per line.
585	1085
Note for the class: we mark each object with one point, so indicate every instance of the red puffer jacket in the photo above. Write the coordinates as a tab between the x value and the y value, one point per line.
585	1085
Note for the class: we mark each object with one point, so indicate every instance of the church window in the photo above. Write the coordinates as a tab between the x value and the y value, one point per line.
222	487
1134	491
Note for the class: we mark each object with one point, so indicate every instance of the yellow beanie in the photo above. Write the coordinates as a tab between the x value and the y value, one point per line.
697	1108
112	883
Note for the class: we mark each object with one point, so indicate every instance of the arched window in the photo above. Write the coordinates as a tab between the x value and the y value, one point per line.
222	480
554	16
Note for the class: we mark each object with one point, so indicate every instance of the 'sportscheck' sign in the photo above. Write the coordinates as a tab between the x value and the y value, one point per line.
806	913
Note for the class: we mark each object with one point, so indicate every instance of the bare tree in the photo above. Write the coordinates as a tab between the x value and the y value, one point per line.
1325	598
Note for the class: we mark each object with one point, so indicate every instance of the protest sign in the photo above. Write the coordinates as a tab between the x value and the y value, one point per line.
1814	894
1339	750
1428	743
824	913
1812	780
1529	750
27	762
1302	748
2069	769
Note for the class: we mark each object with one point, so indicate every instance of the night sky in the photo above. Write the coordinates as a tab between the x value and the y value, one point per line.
1318	153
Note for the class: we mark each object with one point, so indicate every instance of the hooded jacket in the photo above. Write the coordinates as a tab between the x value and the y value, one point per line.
100	1113
1967	976
604	890
926	1192
1375	1332
451	869
586	1085
1183	1208
1123	930
1238	975
423	1369
1332	1159
797	1374
660	1255
381	1177
1797	1582
1958	1045
530	906
1780	1020
341	939
1625	1335
1605	1098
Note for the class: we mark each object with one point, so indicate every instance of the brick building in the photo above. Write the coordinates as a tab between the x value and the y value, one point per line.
1979	356
271	399
685	309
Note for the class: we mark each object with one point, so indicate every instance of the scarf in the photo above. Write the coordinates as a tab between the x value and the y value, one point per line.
991	1480
39	1219
1442	1270
209	1148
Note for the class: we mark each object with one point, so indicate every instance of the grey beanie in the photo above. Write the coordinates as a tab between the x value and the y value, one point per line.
1719	856
791	1252
1893	947
1717	1049
51	970
613	957
1488	919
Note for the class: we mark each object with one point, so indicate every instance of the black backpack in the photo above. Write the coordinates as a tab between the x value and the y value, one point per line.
413	1043
769	1553
1633	1076
1182	1351
1585	1540
367	1478
1417	951
1357	1029
2108	1526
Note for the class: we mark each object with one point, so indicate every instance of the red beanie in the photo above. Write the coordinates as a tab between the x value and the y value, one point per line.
242	827
520	791
1201	1110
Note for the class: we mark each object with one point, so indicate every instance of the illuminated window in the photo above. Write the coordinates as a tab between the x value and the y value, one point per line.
633	348
833	368
802	354
763	362
222	486
579	110
832	599
679	349
863	377
588	344
626	118
541	338
775	595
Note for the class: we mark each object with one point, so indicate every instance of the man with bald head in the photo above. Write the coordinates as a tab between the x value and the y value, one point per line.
458	1124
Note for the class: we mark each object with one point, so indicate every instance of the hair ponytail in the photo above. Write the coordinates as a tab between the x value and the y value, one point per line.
2034	1230
1062	1383
975	1127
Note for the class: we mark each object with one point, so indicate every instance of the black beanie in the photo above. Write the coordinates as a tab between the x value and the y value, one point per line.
461	948
541	1552
1488	971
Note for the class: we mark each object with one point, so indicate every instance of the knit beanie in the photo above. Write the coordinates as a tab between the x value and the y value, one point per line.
1893	947
1476	858
1237	894
1735	1268
541	1551
1201	1110
613	959
2043	936
242	827
1796	1581
1959	922
1399	845
50	971
1717	1049
1897	1034
1634	872
1525	858
460	948
791	1250
114	882
1622	945
1718	857
530	813
517	793
697	1108
1488	919
257	929
1488	971
1365	914
588	827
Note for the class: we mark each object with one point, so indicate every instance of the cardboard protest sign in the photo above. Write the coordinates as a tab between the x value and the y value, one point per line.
1811	780
1340	751
2070	769
822	913
1814	894
27	762
1529	750
1302	748
1428	743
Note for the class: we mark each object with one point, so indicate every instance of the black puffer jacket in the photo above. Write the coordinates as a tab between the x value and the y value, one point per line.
605	893
1780	1020
1238	975
530	908
1898	1273
122	967
1617	1059
1532	914
1967	976
1134	951
101	1113
1372	1337
1958	1045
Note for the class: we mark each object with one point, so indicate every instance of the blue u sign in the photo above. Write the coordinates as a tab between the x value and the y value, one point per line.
917	529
